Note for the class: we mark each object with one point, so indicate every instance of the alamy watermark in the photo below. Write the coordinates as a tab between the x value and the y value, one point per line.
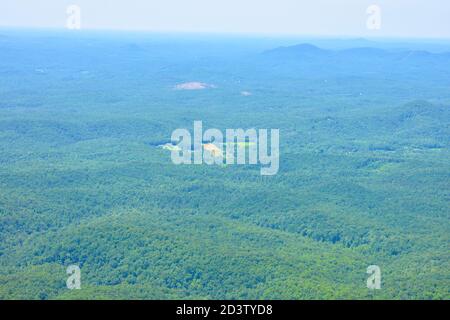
374	280
73	21
74	279
237	146
374	17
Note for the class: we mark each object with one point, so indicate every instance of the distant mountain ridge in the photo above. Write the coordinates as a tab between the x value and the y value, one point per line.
306	50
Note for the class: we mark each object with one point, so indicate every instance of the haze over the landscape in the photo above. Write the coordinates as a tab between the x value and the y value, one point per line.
400	18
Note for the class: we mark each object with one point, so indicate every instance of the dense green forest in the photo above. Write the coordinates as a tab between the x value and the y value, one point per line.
364	173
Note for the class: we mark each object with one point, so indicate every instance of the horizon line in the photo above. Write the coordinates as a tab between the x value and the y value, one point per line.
225	33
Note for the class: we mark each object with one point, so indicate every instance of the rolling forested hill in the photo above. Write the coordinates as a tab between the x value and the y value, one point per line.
363	180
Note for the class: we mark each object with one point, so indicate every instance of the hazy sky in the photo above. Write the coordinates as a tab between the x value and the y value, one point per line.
405	18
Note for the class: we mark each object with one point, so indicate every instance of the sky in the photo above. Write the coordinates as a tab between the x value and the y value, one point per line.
393	18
